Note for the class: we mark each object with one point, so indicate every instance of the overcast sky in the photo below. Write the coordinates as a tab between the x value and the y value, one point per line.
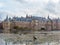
19	8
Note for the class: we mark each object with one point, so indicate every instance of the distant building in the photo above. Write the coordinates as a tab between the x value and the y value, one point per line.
33	22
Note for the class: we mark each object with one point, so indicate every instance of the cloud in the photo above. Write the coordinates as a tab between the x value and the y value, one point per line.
53	8
55	1
1	4
31	7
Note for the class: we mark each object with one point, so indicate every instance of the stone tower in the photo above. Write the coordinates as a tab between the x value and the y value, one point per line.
6	25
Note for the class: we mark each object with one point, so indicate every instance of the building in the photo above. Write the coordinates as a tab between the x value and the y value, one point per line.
33	22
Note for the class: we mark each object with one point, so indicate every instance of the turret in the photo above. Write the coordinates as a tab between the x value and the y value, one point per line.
7	19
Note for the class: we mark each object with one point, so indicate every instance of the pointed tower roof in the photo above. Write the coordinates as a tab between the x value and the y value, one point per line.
7	16
26	15
7	19
48	17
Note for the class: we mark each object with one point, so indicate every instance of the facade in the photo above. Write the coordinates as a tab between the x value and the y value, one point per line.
1	27
35	23
6	26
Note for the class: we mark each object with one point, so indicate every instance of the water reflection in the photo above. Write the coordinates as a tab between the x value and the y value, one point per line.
28	40
2	42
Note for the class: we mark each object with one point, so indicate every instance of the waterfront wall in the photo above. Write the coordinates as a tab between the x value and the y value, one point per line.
34	25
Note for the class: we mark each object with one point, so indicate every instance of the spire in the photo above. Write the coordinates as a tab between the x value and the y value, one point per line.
7	16
48	17
7	19
26	15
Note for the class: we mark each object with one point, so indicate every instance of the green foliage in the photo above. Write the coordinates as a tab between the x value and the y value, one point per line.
17	29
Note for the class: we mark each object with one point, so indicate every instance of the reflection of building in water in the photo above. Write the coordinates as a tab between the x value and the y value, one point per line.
33	22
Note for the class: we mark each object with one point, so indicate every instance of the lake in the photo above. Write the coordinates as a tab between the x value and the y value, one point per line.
51	38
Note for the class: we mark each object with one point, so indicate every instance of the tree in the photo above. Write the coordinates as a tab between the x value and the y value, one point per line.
14	30
15	27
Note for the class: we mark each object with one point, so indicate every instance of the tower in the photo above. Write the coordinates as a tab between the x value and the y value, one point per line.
48	17
7	19
49	24
6	25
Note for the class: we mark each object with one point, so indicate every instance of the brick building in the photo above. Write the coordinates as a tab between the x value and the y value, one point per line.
33	23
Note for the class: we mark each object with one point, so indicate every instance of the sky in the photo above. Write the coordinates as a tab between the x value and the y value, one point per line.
19	8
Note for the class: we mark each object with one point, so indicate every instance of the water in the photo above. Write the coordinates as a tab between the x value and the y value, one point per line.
52	38
2	42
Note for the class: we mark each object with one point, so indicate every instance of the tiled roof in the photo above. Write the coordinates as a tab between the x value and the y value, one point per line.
27	19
